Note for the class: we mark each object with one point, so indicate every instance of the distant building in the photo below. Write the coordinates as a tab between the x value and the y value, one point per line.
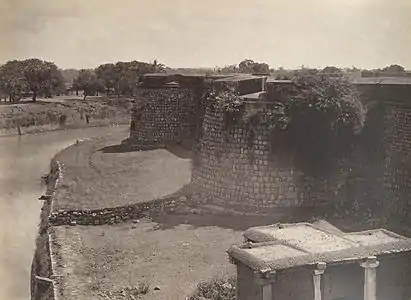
306	261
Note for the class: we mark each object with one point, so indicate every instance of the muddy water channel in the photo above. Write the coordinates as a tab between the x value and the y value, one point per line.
23	160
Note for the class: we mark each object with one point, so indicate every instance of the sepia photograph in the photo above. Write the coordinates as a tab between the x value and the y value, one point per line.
205	150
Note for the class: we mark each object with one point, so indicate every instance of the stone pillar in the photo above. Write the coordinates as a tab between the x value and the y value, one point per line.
266	280
317	276
370	278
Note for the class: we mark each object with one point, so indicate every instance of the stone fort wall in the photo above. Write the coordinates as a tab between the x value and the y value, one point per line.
235	172
170	108
238	168
232	173
162	115
386	145
396	143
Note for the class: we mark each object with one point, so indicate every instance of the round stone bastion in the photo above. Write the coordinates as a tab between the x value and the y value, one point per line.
235	172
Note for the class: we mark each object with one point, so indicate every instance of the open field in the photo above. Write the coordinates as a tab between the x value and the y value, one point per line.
64	112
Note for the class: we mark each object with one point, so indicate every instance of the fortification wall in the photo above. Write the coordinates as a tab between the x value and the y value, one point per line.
162	115
239	168
396	143
386	144
232	173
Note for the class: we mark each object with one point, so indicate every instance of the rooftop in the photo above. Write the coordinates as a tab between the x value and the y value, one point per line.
239	77
274	80
383	80
283	246
254	96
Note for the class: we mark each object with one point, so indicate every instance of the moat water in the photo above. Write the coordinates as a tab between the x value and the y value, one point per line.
23	160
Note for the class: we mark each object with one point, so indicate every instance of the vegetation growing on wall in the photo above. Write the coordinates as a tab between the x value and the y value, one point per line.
317	121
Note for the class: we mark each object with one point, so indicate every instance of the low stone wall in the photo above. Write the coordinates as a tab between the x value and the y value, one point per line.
118	214
162	115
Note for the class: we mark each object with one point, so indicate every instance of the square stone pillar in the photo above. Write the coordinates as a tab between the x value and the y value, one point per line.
370	278
317	276
265	280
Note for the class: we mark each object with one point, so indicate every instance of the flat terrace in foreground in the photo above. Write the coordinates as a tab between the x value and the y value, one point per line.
94	262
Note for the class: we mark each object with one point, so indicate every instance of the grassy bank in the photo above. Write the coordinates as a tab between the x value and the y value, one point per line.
63	113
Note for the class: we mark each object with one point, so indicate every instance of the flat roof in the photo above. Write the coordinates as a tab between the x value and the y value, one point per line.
253	96
274	80
283	246
359	81
383	80
239	77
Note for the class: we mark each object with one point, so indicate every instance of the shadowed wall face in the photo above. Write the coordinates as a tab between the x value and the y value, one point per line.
387	147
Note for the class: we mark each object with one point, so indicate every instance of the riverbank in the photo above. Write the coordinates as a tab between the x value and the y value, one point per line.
63	113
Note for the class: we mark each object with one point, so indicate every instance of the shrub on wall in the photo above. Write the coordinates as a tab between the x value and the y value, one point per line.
317	121
228	99
320	120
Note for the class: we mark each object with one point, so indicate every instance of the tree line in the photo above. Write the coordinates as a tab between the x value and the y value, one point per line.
119	78
35	77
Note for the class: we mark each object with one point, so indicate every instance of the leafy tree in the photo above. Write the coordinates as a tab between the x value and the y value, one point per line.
250	66
41	76
158	67
331	70
105	73
229	69
316	121
122	77
88	82
69	75
12	81
321	117
394	69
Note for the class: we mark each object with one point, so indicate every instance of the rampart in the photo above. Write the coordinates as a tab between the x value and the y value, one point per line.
170	108
239	168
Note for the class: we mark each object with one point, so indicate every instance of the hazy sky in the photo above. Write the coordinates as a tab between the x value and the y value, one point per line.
206	33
